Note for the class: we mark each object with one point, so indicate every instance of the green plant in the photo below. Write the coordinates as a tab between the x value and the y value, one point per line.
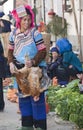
55	26
67	102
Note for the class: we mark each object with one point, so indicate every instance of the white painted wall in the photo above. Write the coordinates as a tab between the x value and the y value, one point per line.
8	6
71	21
1	8
72	34
58	7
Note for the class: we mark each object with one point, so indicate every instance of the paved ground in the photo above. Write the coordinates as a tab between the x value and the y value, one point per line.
10	120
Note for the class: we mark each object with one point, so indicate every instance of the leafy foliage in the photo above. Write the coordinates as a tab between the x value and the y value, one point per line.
55	26
67	102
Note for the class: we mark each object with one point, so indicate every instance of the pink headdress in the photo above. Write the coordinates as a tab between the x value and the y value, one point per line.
32	14
18	19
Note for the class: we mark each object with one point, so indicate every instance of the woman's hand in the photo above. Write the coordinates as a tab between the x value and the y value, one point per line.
70	66
12	68
36	98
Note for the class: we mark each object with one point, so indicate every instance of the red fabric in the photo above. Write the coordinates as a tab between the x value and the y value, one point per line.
41	47
51	13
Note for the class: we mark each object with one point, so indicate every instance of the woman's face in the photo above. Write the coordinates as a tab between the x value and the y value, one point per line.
55	55
25	23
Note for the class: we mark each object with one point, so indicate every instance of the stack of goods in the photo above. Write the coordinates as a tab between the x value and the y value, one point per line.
10	90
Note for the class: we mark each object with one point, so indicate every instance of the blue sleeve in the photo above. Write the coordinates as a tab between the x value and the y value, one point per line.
67	58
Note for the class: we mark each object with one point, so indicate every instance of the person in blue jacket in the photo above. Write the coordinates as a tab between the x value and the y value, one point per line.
2	75
56	69
56	60
70	60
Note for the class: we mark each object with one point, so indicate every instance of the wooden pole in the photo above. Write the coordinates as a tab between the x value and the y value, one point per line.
75	18
35	10
44	11
14	4
76	25
79	34
52	4
63	13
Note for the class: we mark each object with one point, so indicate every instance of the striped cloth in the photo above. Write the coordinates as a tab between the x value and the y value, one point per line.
28	43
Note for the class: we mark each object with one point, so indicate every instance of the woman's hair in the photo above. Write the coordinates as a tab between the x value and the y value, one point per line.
54	49
18	19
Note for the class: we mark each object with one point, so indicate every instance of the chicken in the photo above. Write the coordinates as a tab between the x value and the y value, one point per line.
28	80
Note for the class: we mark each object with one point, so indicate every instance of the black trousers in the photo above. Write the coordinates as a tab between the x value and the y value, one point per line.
1	96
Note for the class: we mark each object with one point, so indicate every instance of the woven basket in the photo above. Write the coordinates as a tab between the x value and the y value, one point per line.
47	38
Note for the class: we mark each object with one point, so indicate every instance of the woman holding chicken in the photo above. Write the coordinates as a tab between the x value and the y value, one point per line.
26	40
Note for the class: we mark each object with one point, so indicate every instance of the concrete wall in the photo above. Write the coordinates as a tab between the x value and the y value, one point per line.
9	5
72	33
21	2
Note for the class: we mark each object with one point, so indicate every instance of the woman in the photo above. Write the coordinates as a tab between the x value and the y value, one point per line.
70	61
2	75
56	68
26	40
54	63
